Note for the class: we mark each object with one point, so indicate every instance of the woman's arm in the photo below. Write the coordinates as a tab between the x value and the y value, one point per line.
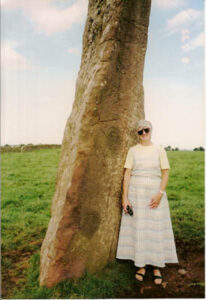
156	199
164	181
125	200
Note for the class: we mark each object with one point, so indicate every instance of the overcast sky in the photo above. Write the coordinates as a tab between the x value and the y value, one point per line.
41	44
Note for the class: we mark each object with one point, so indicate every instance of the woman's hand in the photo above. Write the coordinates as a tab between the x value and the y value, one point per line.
126	202
155	200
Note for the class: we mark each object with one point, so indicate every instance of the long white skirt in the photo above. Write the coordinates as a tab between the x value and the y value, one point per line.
147	236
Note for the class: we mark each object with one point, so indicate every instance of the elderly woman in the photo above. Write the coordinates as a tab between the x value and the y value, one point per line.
146	236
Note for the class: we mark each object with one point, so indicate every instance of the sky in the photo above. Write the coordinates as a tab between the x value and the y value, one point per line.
41	44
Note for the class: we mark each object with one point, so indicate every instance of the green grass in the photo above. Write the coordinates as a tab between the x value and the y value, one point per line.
185	192
28	185
116	277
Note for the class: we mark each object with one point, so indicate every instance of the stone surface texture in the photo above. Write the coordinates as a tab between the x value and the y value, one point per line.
86	209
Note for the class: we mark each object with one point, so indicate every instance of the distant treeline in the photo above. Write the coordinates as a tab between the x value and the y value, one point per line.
169	148
29	147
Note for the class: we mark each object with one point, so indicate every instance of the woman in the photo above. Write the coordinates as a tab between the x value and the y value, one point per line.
146	237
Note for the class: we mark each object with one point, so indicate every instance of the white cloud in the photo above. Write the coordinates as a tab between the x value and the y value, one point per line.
35	109
168	4
73	50
185	35
196	42
11	59
187	17
47	18
185	60
174	107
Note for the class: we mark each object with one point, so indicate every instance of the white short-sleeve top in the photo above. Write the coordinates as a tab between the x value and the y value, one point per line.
147	160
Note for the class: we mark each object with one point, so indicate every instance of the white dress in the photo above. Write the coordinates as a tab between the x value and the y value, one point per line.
147	236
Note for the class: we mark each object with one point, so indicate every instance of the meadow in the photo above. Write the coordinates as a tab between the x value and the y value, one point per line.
28	185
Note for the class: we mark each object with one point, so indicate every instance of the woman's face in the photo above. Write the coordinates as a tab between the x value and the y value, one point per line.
145	136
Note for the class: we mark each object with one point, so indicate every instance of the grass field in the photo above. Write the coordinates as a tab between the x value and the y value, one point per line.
28	185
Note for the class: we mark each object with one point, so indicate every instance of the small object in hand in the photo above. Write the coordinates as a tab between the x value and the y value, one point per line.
130	211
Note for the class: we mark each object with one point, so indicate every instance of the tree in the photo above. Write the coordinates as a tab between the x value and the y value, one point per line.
109	101
199	149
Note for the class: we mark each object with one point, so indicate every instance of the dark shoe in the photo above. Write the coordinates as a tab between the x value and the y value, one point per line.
156	277
138	273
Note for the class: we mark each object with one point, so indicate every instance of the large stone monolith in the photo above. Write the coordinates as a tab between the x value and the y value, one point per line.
109	100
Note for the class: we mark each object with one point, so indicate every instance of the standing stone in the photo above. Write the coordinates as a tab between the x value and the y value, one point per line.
109	100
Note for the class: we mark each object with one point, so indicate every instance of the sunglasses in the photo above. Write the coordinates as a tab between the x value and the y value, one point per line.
140	132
